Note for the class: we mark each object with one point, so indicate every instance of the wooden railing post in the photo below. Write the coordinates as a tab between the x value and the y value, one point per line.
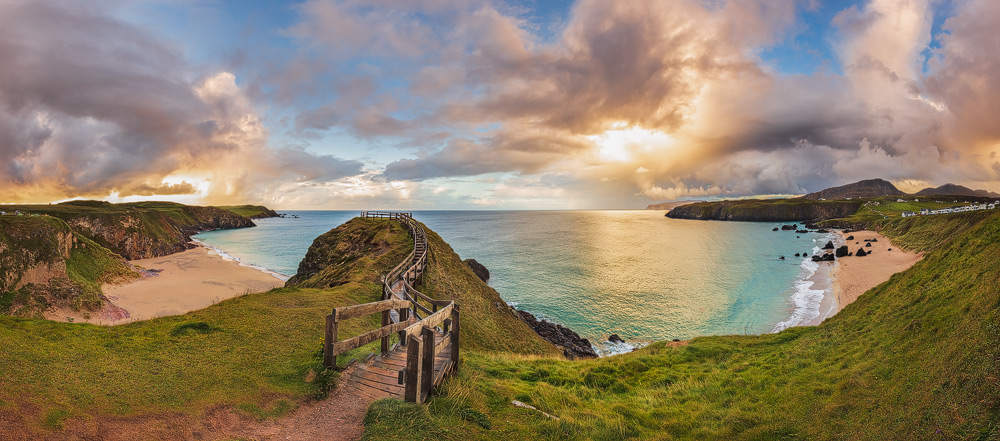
404	315
427	367
413	360
386	320
454	337
330	360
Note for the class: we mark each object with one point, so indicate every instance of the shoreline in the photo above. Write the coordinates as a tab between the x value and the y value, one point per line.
175	284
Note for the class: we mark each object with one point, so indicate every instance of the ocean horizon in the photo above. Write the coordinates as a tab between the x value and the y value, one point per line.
634	273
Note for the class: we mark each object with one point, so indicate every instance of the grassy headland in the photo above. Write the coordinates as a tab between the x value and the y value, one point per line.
917	357
250	211
258	353
766	210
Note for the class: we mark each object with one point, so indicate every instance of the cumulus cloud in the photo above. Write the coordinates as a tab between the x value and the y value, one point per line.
91	105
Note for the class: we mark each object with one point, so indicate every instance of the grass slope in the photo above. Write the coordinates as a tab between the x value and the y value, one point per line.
917	357
250	211
258	353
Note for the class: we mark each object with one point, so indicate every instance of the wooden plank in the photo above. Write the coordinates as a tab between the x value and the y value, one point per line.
455	330
388	380
441	373
427	367
413	361
356	342
430	321
329	359
442	342
349	312
374	390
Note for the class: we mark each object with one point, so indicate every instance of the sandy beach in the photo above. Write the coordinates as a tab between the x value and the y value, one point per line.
853	276
178	283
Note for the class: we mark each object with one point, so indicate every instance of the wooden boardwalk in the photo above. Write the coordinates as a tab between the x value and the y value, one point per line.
428	331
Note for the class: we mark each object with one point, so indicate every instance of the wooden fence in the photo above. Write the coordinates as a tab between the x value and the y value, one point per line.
428	329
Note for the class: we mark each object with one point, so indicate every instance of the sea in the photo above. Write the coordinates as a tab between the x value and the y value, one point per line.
635	273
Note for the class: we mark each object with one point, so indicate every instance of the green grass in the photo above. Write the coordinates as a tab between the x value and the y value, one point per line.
261	354
917	357
251	211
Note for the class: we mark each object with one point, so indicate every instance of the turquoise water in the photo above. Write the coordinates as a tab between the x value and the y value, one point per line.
635	273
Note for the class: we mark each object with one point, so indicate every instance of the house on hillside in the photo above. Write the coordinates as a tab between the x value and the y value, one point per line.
909	214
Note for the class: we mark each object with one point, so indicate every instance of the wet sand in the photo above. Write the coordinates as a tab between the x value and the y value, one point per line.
853	276
182	282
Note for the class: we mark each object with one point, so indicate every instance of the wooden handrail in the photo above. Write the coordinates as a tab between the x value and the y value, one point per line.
416	332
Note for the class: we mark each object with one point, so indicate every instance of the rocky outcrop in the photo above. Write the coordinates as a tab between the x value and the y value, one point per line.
842	251
478	269
778	210
572	344
828	246
861	253
615	338
143	234
827	257
44	264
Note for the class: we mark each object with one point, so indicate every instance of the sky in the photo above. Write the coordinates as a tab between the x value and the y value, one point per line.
478	104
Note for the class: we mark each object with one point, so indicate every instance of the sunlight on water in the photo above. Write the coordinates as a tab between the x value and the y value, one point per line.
634	273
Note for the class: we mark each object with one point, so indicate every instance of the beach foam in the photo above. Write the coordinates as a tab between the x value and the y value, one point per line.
812	298
226	256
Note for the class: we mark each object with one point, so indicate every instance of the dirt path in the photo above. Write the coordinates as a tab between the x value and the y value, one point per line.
337	418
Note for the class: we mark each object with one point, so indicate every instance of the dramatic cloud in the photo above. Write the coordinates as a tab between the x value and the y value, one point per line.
611	103
90	106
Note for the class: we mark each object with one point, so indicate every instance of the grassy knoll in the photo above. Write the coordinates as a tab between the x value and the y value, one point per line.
917	357
250	211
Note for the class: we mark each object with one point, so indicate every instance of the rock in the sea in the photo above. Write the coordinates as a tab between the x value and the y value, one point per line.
842	251
827	257
615	338
791	227
822	230
802	231
781	257
573	345
797	254
861	252
828	246
478	269
774	229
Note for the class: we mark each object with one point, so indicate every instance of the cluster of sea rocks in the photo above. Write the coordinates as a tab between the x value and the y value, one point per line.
831	252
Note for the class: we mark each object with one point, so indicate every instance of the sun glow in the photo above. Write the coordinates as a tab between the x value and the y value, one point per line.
621	142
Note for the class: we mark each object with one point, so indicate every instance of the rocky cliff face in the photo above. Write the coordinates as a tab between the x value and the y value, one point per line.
33	251
44	264
146	234
766	211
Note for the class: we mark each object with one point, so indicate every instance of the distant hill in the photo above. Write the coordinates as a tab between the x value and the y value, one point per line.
956	190
862	189
668	205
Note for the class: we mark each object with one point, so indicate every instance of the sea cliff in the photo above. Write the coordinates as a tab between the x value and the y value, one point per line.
776	210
